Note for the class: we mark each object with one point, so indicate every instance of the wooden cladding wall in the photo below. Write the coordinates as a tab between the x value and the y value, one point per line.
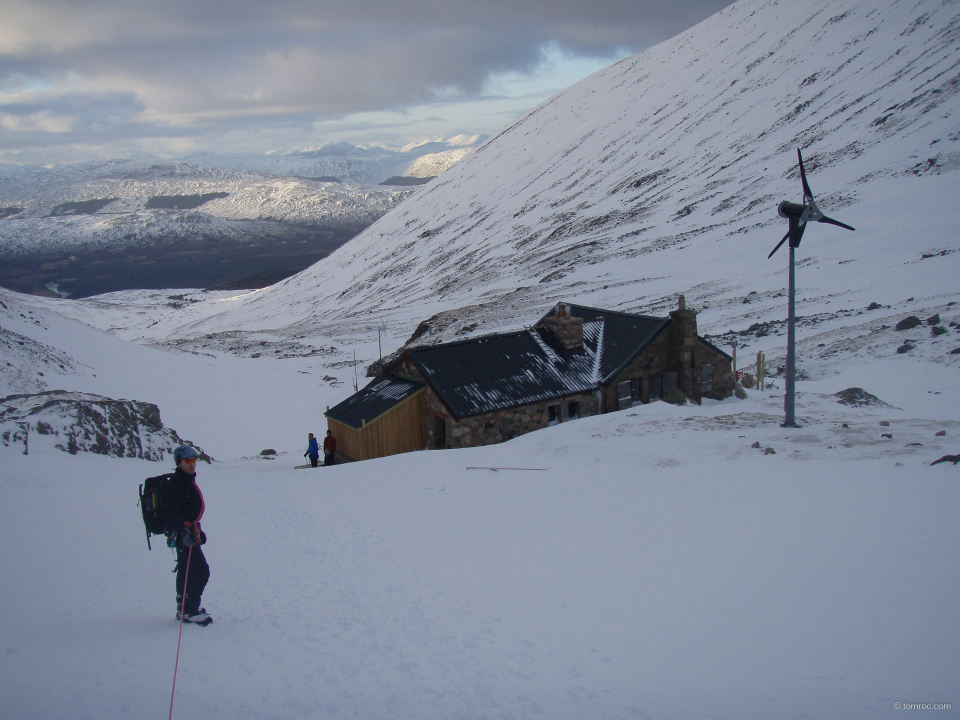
401	429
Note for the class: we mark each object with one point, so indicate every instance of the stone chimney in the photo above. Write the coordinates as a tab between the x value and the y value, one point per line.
566	328
684	329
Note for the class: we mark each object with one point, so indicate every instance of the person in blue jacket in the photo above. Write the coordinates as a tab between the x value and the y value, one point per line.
313	450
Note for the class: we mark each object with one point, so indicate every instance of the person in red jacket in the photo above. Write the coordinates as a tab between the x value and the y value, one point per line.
329	449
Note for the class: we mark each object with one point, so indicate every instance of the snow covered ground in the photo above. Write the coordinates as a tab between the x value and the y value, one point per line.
654	565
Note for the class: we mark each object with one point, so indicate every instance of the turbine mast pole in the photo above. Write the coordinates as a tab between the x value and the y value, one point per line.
788	400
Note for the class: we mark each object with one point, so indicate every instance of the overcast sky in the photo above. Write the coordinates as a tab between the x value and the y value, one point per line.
89	79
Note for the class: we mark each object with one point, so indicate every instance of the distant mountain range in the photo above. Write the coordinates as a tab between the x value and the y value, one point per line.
351	164
199	221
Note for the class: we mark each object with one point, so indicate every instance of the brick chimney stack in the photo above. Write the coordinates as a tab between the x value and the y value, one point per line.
566	328
684	322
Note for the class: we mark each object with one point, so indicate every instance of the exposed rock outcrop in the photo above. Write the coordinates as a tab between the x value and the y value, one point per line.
858	397
83	422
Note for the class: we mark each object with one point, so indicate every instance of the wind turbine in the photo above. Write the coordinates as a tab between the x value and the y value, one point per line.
798	215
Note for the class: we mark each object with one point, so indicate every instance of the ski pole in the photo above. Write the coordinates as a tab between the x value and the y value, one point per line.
183	600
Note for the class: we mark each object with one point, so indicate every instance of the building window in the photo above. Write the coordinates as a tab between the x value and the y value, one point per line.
669	382
573	410
706	377
624	395
655	392
553	414
636	390
439	431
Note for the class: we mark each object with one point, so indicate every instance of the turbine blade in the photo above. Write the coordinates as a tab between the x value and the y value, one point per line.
780	243
831	221
807	193
796	232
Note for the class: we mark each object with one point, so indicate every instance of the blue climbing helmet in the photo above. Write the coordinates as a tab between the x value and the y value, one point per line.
184	452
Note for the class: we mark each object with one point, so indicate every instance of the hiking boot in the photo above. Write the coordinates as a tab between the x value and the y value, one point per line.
177	616
198	618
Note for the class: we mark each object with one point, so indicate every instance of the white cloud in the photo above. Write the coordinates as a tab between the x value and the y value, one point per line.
43	122
135	72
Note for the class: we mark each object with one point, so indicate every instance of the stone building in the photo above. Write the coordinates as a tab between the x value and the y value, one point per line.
574	362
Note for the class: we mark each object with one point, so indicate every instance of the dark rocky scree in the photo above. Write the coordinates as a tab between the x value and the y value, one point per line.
908	323
778	327
858	397
84	422
934	322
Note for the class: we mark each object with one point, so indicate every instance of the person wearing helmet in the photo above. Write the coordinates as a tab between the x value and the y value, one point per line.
186	509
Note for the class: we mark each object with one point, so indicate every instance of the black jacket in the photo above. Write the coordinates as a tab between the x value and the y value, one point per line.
186	500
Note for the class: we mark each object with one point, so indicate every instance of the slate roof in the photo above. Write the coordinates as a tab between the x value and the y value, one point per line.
496	372
371	402
624	335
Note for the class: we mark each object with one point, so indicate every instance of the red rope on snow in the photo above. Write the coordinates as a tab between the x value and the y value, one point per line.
183	600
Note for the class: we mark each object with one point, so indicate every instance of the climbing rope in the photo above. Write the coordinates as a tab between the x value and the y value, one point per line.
183	600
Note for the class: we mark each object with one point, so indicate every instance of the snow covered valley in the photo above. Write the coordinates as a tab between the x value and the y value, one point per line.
203	221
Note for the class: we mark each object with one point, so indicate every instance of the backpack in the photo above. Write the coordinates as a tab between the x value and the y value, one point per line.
154	505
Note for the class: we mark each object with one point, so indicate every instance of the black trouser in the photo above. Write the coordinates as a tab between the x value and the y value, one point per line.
329	458
196	579
314	460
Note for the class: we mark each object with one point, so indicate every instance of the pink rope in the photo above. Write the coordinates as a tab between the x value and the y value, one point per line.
183	600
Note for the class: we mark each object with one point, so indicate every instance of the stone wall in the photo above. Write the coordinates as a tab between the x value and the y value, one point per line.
656	359
677	349
686	349
502	425
722	372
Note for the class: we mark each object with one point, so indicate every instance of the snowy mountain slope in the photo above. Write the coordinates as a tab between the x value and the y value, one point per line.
435	163
661	175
